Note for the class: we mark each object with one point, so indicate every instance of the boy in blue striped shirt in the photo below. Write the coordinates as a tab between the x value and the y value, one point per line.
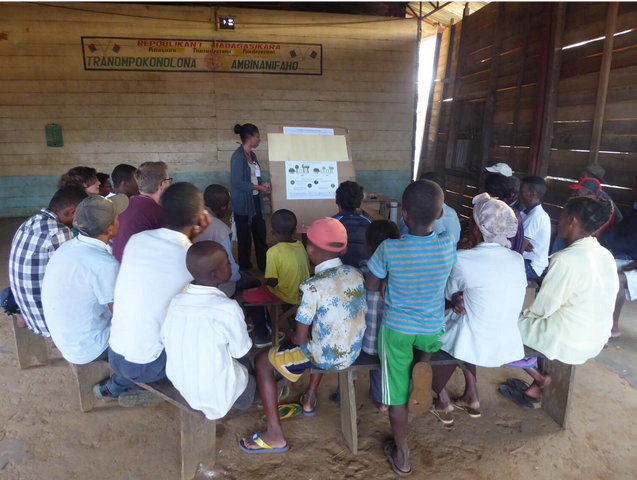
416	267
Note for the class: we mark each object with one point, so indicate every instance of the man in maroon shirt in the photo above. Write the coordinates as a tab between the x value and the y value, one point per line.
143	212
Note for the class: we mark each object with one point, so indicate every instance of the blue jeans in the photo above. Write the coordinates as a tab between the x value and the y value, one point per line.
115	379
530	273
128	373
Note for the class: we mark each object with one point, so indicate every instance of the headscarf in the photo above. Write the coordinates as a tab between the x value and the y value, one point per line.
495	219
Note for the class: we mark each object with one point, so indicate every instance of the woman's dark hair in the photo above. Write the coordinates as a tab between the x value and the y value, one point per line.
349	195
246	130
78	176
592	212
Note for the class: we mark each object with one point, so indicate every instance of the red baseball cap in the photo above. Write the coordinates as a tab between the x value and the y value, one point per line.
588	183
328	234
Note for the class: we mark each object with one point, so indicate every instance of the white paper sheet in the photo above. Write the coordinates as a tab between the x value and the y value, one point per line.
311	180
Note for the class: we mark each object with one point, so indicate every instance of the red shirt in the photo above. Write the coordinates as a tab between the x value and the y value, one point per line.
143	213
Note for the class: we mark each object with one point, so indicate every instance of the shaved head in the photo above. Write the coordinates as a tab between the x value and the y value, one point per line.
208	263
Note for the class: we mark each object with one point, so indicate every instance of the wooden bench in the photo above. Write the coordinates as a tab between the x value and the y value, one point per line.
555	398
30	347
277	313
198	434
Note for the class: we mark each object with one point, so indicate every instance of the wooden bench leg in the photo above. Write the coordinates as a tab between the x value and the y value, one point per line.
87	376
556	398
275	326
198	443
348	410
30	348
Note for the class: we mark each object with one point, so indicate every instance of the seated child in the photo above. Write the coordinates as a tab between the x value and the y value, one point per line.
418	265
286	267
377	233
537	227
333	308
206	339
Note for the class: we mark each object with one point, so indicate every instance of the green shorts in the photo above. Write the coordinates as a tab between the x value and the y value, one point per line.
396	351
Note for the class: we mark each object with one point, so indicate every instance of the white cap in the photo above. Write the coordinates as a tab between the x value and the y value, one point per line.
501	168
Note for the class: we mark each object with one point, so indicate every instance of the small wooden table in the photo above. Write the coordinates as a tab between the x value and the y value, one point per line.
381	199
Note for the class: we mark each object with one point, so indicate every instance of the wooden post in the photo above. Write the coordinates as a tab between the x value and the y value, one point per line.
556	398
550	100
487	122
348	410
87	376
30	348
198	443
518	92
455	106
602	86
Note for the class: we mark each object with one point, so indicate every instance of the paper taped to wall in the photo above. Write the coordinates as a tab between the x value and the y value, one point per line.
311	180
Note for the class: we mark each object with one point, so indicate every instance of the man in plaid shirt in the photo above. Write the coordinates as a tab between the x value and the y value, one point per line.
32	247
377	232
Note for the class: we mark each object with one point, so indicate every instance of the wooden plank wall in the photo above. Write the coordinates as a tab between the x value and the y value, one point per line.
186	119
501	62
577	95
513	83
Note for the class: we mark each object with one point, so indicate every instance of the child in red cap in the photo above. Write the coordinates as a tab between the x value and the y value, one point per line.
333	306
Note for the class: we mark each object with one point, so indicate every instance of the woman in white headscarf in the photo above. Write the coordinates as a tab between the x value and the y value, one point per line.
486	287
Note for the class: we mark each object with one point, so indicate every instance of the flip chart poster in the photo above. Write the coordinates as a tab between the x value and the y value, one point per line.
311	180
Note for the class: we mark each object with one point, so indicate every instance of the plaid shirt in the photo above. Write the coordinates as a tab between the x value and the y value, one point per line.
33	245
373	317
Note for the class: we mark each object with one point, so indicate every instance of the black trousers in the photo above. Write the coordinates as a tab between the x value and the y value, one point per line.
249	230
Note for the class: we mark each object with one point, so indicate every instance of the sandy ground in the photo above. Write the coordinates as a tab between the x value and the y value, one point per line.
43	434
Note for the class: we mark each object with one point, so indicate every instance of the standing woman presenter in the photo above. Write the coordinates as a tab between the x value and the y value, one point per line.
246	199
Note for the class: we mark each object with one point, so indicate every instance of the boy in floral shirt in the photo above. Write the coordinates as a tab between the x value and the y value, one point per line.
328	336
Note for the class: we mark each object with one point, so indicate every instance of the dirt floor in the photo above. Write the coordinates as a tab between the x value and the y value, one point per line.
43	434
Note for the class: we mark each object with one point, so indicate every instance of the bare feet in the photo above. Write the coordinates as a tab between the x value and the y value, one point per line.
309	399
275	441
535	390
615	334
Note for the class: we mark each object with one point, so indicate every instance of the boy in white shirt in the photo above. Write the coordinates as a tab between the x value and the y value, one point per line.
537	227
207	329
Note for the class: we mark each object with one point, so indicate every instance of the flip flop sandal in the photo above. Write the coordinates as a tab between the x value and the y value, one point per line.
313	411
472	412
265	448
388	448
516	397
421	397
521	386
444	417
285	393
287	410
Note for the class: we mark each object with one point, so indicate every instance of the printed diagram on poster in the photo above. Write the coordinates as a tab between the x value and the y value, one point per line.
311	180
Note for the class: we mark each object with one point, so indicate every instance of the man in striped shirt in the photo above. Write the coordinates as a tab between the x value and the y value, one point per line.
33	246
416	267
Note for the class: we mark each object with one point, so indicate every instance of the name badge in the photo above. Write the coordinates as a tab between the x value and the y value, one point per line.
257	171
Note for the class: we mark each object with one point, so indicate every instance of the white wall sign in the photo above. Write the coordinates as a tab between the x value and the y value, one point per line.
311	180
307	131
